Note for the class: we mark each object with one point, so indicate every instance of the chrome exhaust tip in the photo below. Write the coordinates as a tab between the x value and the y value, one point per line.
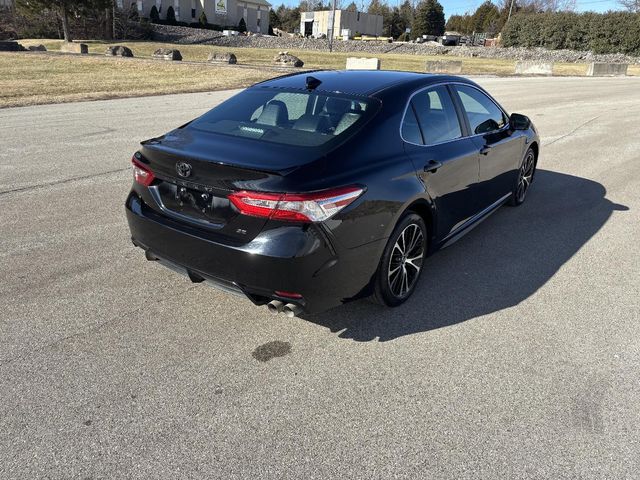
292	310
275	306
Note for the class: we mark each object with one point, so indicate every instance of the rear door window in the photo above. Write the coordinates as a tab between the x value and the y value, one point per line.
410	128
483	114
436	117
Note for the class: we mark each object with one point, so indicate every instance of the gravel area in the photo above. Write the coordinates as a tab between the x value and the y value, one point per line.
186	35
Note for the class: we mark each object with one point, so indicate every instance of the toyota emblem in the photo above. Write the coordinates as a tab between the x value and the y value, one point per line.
183	169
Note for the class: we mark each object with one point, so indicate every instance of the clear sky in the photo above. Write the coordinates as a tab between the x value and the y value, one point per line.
452	7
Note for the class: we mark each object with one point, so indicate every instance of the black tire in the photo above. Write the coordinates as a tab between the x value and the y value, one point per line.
392	288
526	172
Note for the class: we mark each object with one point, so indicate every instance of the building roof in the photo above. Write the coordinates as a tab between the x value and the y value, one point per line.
257	2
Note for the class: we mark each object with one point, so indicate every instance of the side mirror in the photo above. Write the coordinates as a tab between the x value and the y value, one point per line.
519	122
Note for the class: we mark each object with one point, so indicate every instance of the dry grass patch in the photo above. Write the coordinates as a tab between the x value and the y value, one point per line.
311	59
34	78
31	78
326	60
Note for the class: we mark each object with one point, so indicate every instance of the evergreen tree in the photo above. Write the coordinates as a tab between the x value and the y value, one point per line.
171	16
395	26
64	9
202	19
289	18
376	7
429	19
485	17
455	23
274	20
133	15
407	13
242	26
154	16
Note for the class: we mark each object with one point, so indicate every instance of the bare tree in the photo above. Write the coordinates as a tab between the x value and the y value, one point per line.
631	5
546	5
558	5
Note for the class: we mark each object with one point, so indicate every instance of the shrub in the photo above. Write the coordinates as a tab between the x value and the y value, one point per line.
171	16
154	16
202	19
612	32
242	26
133	13
429	19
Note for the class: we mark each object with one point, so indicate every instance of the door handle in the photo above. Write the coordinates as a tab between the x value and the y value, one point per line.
432	166
485	150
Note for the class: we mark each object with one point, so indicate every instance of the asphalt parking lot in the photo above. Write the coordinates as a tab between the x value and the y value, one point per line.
518	356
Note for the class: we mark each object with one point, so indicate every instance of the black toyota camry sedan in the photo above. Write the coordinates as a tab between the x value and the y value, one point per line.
314	189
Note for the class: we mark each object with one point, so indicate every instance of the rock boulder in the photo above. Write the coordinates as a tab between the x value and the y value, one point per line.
167	54
11	46
222	57
119	51
287	60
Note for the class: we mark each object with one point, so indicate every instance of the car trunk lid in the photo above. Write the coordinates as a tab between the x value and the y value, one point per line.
196	173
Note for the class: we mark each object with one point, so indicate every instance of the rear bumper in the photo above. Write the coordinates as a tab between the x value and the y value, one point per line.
296	258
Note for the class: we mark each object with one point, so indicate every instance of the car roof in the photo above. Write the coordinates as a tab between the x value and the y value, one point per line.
358	82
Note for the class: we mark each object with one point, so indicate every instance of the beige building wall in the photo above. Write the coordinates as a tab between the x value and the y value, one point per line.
357	22
361	23
189	11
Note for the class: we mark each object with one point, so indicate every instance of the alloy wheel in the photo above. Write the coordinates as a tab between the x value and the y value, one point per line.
406	260
525	176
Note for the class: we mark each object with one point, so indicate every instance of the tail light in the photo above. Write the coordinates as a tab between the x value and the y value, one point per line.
142	174
297	207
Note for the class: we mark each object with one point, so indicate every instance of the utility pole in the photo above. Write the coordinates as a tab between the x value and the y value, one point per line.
113	19
510	8
333	25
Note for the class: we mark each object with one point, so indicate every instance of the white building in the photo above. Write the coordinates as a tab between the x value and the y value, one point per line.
219	12
320	22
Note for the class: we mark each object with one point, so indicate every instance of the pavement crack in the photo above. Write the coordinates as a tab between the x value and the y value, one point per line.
62	182
584	124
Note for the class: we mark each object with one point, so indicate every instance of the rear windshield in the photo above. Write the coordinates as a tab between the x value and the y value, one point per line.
298	118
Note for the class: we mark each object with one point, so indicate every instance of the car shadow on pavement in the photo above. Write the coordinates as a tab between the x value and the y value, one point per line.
496	266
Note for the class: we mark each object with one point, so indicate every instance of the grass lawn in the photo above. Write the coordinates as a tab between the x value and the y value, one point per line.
34	78
312	59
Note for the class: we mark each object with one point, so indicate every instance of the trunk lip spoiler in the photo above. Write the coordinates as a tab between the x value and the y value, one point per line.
154	144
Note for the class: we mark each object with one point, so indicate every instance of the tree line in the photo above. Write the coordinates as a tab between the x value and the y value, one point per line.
424	18
611	32
533	23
